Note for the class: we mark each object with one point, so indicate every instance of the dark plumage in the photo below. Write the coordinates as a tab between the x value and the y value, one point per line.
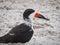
22	33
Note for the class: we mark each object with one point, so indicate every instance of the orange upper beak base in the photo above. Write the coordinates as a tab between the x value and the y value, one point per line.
37	15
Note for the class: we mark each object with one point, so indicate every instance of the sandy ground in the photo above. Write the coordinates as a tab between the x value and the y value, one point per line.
45	32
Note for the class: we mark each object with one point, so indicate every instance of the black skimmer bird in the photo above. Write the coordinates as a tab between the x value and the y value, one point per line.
23	32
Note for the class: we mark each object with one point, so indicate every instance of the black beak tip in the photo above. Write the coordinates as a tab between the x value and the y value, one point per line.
47	19
42	17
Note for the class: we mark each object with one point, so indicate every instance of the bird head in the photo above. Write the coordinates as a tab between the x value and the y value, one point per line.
31	14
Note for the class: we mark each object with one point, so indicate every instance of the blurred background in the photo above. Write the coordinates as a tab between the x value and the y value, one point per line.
45	32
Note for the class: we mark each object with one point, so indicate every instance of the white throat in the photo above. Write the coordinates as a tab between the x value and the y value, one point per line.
28	22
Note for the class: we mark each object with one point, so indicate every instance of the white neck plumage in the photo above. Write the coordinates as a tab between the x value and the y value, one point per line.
28	22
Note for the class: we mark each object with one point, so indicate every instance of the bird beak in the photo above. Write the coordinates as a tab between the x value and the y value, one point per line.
42	17
37	15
